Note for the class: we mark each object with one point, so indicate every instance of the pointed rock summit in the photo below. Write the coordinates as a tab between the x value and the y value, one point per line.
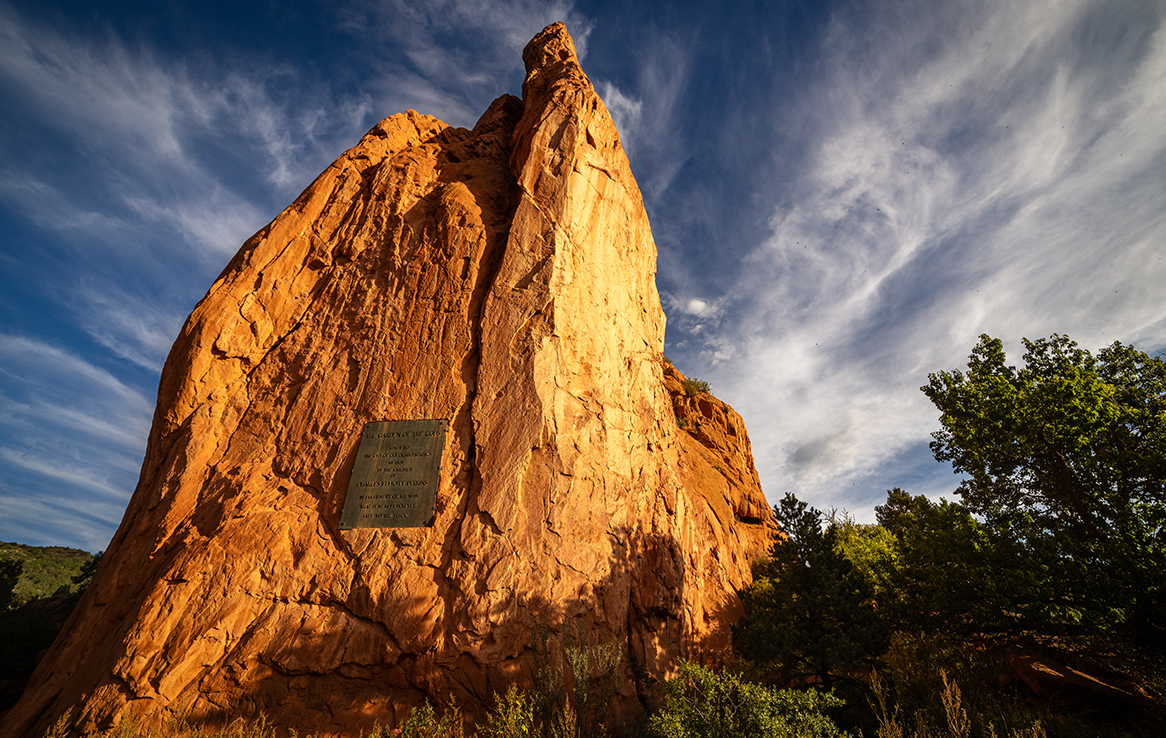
501	280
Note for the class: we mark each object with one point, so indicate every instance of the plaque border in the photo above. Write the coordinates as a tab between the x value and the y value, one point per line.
374	436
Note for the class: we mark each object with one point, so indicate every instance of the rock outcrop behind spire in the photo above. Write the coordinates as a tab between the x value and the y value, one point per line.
501	279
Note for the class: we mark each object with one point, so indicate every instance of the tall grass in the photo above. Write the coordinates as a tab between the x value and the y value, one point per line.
933	688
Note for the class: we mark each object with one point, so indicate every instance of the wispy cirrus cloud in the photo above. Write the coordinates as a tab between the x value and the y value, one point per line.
991	169
139	164
150	133
131	327
648	113
450	58
66	427
129	176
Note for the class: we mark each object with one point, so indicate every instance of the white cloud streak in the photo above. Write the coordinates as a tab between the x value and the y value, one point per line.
136	122
137	170
452	57
648	118
69	428
961	168
1007	182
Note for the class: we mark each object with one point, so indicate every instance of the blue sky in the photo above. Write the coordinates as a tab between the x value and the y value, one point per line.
844	196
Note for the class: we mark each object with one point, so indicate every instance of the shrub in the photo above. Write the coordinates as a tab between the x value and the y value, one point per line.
599	661
512	716
693	386
574	684
701	703
424	723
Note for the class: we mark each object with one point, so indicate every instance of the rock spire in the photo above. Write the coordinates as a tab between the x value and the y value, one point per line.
501	279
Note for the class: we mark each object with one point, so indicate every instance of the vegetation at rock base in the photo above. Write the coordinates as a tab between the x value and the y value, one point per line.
811	613
1031	607
700	703
423	722
512	716
179	727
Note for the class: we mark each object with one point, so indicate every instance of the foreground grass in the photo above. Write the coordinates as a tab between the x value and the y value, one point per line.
926	687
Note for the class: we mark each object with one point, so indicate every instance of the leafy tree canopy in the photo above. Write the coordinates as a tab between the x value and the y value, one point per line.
951	575
1067	456
10	570
871	549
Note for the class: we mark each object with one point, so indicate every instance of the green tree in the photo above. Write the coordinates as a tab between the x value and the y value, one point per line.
809	613
10	570
950	575
1066	456
88	569
872	549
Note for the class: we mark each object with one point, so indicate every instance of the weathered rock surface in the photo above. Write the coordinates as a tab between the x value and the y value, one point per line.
720	481
500	278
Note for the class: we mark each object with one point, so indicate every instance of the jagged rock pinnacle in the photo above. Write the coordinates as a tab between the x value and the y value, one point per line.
501	279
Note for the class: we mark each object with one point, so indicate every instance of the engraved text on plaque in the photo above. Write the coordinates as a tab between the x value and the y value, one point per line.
394	480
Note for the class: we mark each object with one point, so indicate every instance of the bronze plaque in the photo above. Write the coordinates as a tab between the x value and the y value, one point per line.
395	477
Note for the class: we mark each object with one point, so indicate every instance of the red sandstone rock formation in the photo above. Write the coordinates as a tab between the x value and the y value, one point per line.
502	279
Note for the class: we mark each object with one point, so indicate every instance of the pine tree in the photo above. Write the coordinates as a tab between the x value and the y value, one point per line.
811	616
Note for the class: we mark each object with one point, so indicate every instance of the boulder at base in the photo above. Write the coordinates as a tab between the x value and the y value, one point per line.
501	279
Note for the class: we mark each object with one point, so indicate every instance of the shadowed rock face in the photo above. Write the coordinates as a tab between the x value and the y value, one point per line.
502	279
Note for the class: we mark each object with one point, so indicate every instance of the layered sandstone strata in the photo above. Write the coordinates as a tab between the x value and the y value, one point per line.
501	279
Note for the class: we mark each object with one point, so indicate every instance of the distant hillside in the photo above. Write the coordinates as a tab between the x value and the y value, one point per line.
43	597
48	570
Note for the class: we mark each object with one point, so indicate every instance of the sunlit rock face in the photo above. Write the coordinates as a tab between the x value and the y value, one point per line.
501	279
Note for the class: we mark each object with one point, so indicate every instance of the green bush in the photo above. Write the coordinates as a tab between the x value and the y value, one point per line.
424	723
699	703
594	668
512	716
693	386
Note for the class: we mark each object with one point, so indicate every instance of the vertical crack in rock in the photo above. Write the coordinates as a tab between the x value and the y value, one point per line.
502	279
